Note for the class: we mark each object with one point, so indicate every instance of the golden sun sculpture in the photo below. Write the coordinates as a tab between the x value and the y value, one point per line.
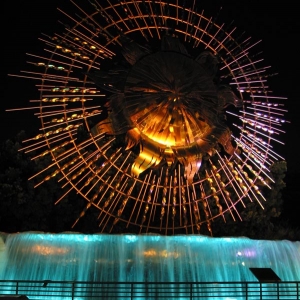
181	127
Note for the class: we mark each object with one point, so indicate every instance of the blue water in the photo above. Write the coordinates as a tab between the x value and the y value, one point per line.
100	257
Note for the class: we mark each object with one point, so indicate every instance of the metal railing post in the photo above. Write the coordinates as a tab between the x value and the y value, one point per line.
260	290
131	291
191	291
246	291
73	290
17	288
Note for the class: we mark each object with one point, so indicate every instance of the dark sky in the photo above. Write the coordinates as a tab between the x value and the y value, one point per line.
276	24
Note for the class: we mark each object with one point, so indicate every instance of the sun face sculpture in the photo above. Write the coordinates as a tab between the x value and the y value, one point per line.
169	104
178	115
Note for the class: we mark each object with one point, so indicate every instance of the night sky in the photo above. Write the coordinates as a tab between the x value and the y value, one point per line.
276	24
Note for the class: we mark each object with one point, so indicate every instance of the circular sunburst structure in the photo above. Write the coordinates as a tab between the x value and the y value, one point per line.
178	115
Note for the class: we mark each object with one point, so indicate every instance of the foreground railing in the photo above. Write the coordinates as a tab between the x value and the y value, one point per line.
282	290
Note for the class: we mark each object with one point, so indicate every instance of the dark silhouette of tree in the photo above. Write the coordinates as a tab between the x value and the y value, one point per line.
23	207
267	223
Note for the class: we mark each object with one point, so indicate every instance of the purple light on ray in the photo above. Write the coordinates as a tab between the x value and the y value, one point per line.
263	148
265	135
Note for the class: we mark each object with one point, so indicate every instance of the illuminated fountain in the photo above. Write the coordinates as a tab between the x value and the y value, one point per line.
138	258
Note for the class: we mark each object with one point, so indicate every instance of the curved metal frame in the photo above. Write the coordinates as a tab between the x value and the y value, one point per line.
99	170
